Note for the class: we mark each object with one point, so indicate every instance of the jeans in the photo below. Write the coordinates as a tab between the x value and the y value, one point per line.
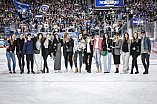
144	57
109	62
97	57
12	56
80	58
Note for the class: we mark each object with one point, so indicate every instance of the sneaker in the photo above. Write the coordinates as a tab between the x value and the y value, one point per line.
10	72
100	70
66	70
55	71
59	71
14	72
124	72
97	71
28	72
71	70
38	72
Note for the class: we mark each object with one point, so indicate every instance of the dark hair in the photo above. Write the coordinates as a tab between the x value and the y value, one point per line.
42	39
55	37
104	39
79	35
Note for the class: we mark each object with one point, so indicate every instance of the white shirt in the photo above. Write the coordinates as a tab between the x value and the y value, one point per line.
88	46
96	45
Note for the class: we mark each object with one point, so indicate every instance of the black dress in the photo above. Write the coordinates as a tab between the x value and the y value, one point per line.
116	57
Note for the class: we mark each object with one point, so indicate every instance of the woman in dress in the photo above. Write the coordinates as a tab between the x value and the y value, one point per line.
56	51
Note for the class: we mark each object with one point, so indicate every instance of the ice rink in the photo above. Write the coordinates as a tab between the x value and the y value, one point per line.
75	88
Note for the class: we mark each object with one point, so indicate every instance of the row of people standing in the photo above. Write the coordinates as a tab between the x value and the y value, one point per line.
39	48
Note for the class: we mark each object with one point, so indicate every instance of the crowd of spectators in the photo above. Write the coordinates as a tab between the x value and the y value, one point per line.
74	16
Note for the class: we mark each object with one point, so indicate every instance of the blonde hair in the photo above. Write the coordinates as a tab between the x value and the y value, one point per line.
133	40
124	38
90	40
65	36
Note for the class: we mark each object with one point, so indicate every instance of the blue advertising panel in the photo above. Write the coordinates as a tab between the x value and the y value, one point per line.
108	3
137	21
7	31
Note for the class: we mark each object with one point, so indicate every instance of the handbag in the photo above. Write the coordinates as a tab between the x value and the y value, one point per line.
36	51
138	50
69	49
103	53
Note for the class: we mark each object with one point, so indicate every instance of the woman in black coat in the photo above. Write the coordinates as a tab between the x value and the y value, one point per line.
135	50
56	51
46	50
68	44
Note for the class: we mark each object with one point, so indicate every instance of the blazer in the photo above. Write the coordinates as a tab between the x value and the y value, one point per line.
104	46
99	45
91	48
117	49
49	47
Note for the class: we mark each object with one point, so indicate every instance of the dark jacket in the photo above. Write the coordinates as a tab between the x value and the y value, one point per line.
104	46
91	48
34	43
12	47
28	47
66	46
49	47
55	45
147	44
19	45
137	46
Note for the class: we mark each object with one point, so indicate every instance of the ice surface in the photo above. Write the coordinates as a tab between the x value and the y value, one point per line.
75	88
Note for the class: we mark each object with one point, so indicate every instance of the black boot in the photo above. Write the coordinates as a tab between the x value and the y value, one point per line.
131	71
47	70
137	72
117	70
43	71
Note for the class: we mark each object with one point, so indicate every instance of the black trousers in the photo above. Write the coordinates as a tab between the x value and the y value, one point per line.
45	55
30	58
66	61
21	62
88	62
145	61
134	61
